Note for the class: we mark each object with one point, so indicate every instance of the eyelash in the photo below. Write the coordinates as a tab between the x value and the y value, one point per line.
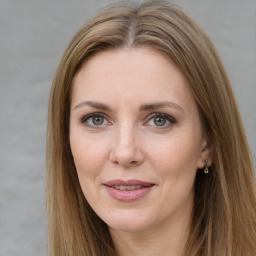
166	117
171	120
84	119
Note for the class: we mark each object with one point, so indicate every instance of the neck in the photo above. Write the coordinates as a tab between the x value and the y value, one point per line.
167	239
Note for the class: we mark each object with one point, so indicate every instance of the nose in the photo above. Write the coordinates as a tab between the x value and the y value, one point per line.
125	150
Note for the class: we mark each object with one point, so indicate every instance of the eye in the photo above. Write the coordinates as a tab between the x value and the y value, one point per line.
94	120
160	120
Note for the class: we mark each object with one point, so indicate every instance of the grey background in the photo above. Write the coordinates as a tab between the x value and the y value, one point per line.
33	36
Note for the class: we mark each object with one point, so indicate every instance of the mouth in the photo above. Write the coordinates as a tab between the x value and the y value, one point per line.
127	187
127	191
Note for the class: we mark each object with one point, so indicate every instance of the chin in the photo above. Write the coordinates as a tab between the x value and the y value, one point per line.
127	227
128	223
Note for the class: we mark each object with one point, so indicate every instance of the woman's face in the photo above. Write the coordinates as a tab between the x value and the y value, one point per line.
136	139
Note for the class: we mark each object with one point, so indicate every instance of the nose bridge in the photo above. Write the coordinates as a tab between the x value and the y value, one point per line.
126	135
126	150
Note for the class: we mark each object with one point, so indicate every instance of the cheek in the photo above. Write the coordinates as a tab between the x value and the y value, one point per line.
89	158
89	155
179	153
176	164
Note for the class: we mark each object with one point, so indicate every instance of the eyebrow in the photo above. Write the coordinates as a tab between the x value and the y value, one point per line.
93	104
143	107
165	104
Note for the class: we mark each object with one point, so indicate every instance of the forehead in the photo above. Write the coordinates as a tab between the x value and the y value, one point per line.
136	73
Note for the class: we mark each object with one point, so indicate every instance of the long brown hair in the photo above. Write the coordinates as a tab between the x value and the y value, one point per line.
224	216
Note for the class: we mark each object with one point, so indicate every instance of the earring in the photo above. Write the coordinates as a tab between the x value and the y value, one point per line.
206	169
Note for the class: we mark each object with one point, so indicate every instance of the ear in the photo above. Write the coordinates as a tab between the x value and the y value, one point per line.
206	153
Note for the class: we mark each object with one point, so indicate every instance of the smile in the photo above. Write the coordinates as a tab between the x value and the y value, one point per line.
128	191
127	187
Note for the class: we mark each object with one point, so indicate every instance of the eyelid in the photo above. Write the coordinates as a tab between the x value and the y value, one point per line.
161	114
86	117
169	118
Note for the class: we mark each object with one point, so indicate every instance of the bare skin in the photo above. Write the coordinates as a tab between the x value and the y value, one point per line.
137	142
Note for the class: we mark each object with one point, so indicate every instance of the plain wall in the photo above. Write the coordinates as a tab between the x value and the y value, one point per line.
33	36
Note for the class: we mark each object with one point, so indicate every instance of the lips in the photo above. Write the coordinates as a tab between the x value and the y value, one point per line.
127	187
129	190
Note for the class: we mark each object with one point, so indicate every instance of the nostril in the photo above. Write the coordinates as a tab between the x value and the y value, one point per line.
127	163
126	154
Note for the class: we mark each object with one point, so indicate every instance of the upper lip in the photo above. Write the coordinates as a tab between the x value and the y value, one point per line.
117	182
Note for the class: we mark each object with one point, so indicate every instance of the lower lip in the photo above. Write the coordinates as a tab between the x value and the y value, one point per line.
128	195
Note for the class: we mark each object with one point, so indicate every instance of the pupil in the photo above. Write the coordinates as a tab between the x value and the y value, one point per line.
97	120
159	121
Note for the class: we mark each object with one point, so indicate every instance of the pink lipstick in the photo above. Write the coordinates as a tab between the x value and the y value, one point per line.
129	190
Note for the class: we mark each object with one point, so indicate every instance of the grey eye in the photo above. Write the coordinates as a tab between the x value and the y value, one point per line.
94	120
159	121
97	120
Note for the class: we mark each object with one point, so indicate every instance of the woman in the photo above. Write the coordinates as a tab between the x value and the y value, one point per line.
146	150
